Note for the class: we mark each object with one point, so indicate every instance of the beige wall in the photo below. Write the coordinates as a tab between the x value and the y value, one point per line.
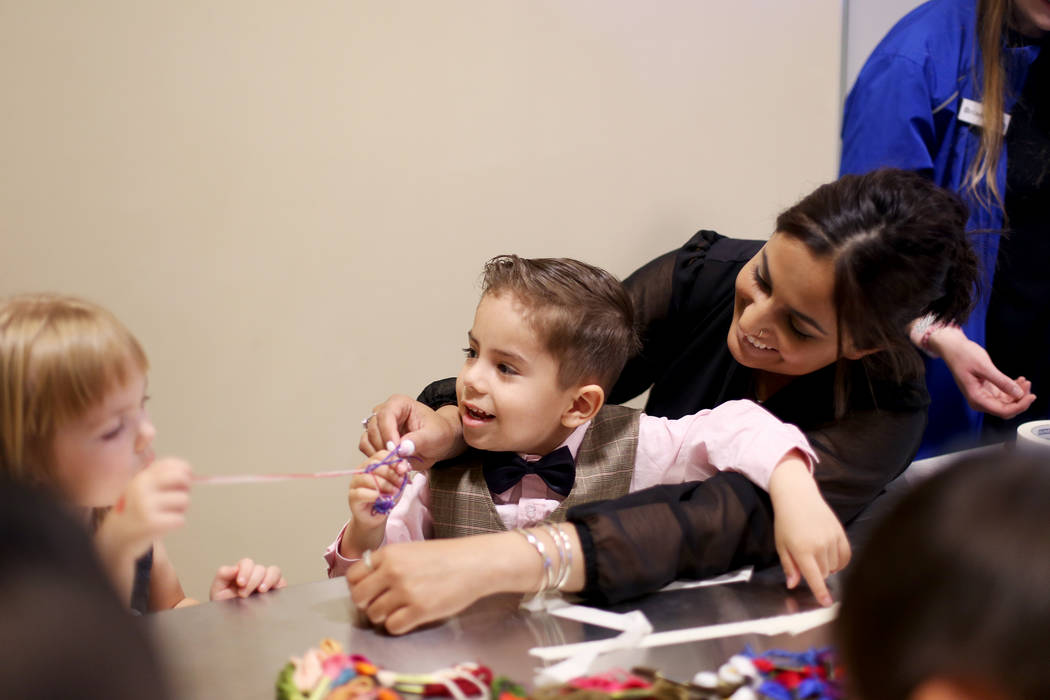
289	203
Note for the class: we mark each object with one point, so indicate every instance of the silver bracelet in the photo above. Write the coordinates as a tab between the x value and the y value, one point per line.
531	539
564	546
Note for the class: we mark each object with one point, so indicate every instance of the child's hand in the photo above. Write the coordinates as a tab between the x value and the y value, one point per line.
244	578
366	528
153	504
809	537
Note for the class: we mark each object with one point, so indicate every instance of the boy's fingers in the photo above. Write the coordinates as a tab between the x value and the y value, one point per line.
844	553
811	572
790	570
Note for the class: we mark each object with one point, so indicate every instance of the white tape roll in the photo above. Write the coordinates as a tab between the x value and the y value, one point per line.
1034	437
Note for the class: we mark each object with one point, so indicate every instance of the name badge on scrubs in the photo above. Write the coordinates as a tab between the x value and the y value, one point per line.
971	112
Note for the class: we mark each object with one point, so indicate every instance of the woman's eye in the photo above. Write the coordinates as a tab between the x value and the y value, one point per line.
795	330
470	353
762	284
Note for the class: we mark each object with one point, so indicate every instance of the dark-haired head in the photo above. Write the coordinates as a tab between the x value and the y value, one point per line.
887	247
951	591
64	632
581	313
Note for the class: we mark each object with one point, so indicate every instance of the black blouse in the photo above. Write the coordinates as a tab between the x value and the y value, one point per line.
684	302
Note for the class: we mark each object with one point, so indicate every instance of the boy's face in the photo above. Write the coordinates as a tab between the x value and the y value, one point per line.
508	390
96	455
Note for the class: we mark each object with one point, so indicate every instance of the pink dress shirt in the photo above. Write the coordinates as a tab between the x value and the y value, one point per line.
737	435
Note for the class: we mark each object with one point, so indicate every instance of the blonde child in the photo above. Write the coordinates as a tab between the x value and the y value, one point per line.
74	420
550	337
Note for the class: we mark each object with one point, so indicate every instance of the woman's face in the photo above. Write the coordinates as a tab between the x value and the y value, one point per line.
1032	17
784	320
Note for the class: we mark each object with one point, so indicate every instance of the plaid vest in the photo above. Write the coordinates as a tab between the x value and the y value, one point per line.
461	504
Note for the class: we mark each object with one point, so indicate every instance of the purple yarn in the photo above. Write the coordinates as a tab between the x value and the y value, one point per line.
384	504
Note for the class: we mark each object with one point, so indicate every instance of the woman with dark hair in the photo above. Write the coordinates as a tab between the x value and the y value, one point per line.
963	613
923	102
812	324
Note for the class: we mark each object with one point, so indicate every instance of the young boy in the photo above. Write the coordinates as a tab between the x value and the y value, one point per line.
549	339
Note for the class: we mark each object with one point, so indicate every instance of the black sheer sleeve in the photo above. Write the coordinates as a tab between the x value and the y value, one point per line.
643	541
861	453
667	291
439	393
639	543
650	288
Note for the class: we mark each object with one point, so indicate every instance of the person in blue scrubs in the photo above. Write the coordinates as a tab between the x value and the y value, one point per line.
921	102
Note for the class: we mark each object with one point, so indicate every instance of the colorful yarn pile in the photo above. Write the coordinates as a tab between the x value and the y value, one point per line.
776	675
772	675
327	673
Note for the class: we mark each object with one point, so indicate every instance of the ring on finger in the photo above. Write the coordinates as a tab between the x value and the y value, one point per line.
364	423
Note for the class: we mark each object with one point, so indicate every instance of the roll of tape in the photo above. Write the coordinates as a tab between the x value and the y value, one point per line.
1034	436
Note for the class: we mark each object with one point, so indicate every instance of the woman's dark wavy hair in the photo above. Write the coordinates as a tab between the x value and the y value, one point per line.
900	250
953	585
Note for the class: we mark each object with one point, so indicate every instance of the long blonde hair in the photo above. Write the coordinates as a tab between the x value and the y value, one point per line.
59	356
993	17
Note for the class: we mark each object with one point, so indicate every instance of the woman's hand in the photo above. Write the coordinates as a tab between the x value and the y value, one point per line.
809	538
984	386
244	578
437	435
411	584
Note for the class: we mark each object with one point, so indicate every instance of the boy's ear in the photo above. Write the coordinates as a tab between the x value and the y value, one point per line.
585	403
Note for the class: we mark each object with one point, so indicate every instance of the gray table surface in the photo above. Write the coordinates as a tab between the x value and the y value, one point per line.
235	649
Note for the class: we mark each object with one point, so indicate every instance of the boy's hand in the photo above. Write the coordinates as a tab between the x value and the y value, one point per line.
809	538
154	503
242	579
366	528
437	435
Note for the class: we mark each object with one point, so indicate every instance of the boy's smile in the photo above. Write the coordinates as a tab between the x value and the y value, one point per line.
509	395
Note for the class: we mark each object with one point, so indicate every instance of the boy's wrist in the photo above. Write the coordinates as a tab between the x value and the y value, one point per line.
357	538
791	479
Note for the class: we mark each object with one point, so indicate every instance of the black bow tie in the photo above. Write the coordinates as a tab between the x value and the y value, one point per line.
503	470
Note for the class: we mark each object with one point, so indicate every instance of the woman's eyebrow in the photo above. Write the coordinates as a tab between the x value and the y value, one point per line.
795	312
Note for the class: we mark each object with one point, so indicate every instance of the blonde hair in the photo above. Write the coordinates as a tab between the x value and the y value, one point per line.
59	356
993	18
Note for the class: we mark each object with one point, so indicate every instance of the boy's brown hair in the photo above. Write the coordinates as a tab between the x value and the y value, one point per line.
582	314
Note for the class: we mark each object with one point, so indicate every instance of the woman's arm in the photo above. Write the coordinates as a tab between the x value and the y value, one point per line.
650	288
643	541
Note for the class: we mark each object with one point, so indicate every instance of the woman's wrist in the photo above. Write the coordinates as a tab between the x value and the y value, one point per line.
940	339
455	444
